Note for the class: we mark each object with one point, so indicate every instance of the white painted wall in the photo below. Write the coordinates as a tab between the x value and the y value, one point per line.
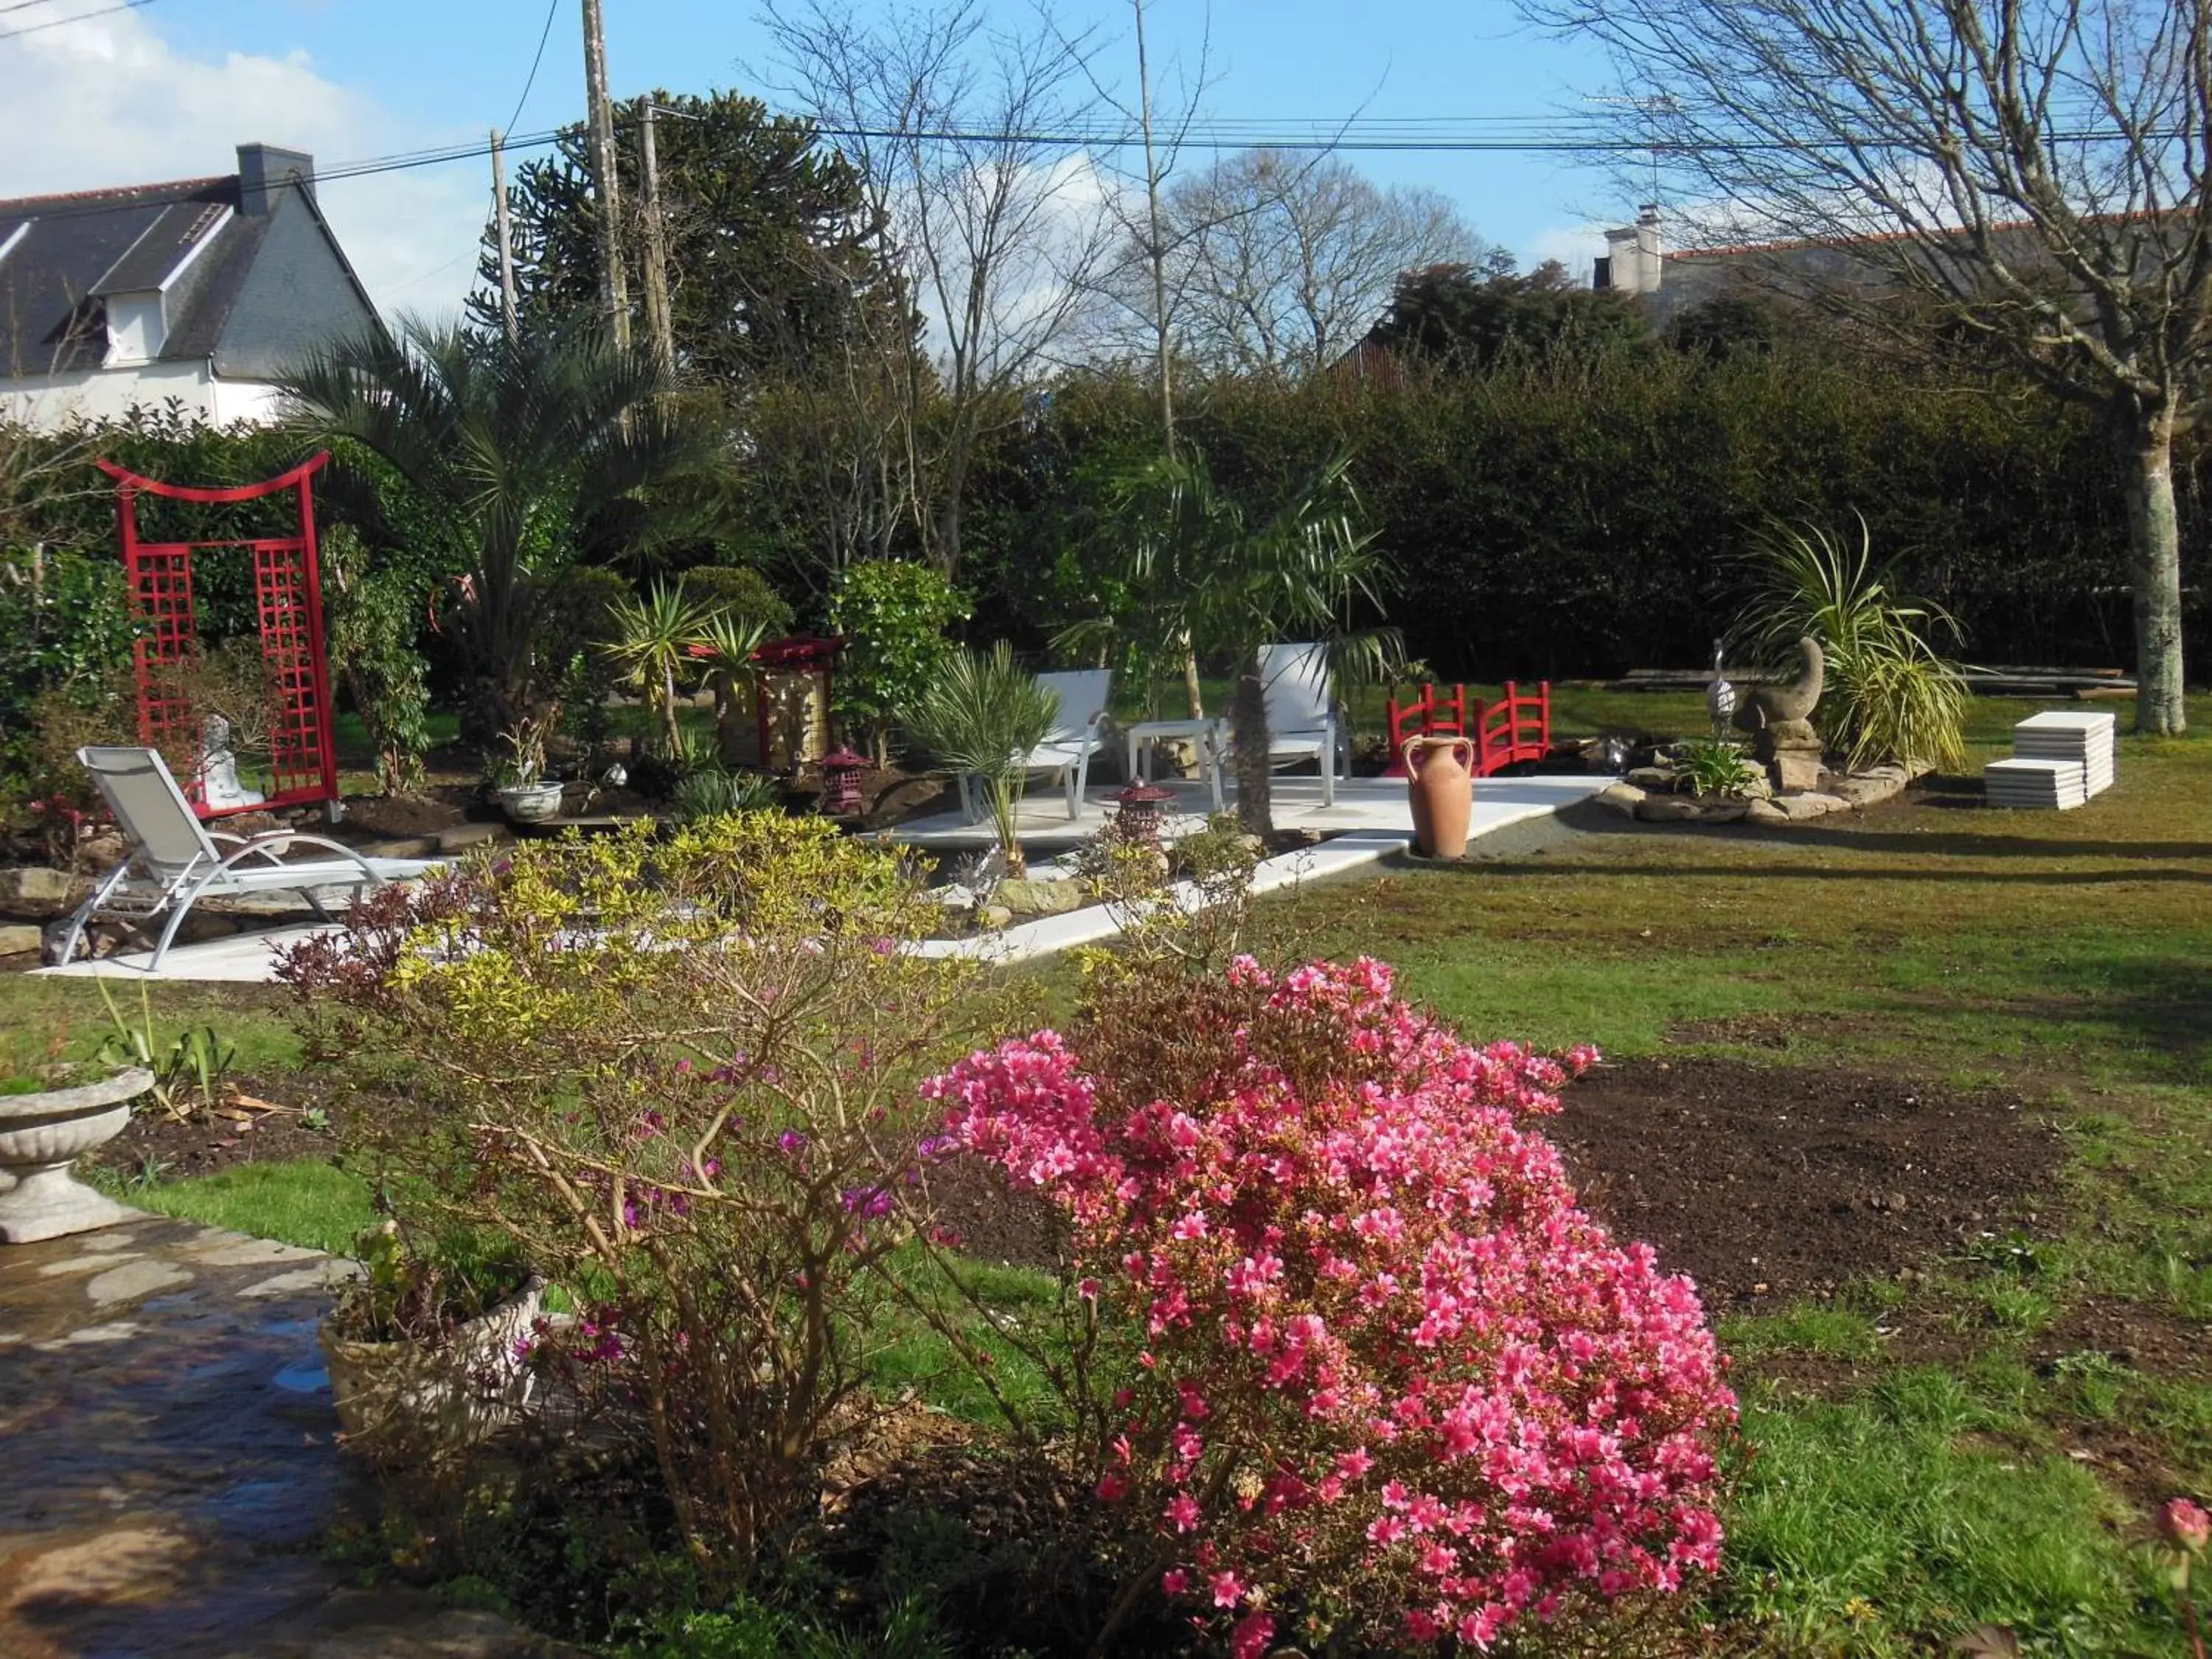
48	401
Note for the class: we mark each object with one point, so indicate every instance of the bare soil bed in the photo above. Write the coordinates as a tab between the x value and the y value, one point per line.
1768	1184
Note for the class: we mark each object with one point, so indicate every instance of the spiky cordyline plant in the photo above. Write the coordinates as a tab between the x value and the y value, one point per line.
655	647
1899	698
982	715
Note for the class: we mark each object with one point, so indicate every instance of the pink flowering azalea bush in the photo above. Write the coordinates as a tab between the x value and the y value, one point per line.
1380	1376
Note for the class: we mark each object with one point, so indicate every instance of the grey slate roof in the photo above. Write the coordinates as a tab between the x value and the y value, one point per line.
194	238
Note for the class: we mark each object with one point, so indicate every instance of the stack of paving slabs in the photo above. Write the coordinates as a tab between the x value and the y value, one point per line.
2092	739
2060	760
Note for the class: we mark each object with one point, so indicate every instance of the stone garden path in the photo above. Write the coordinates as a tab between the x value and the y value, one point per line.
166	1462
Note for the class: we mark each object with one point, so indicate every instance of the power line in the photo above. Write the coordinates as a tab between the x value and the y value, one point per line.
543	35
58	22
1562	140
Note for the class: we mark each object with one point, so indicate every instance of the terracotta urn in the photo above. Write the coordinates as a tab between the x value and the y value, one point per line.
1440	784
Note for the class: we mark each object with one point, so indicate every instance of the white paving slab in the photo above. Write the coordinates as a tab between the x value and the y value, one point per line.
1372	818
1497	803
240	959
1361	804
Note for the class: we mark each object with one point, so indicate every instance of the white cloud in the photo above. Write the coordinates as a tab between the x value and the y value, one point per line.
107	101
1573	246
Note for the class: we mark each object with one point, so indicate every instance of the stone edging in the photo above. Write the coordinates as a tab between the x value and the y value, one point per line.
1839	792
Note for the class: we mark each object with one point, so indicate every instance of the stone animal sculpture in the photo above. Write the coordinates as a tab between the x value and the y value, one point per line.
1786	704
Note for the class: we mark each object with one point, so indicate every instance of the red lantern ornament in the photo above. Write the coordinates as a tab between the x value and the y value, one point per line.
841	772
1138	819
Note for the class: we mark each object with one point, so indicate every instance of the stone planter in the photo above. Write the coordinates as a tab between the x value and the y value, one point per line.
40	1136
402	1403
531	803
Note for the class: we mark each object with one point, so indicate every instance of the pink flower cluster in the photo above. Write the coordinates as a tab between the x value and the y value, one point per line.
1382	1351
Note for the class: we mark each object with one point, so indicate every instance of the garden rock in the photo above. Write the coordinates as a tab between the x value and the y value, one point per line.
994	915
35	889
1798	808
1722	811
1621	798
1667	809
1866	789
462	835
1764	812
1042	898
1650	778
20	939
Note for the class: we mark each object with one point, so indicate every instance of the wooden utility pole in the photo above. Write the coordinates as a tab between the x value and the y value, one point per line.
507	304
614	287
658	302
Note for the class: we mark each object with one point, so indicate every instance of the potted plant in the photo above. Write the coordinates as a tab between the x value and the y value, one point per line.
526	794
427	1356
51	1113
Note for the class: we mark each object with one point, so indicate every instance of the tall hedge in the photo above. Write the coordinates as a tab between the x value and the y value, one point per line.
1585	517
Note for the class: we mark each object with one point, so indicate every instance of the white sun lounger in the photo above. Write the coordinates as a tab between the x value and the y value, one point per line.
175	862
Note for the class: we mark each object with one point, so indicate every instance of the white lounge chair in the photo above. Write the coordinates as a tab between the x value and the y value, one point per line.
174	861
1304	721
1065	752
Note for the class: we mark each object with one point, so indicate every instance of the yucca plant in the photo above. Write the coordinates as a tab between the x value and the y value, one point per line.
713	791
725	646
1895	696
982	715
655	647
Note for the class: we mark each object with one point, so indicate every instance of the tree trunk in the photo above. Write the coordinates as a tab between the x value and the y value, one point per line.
1247	726
2155	544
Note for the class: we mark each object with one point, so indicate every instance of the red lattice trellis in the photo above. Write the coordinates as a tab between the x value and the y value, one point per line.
289	597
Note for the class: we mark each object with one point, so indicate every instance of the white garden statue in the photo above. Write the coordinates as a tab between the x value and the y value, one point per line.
218	770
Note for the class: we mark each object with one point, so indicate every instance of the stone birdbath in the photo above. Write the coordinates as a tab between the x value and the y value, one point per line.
41	1135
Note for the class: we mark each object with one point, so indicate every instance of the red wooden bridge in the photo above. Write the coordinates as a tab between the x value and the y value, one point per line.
1516	727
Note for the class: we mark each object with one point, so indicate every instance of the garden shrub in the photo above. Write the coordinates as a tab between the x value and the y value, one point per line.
1350	1357
892	614
744	592
680	1074
375	615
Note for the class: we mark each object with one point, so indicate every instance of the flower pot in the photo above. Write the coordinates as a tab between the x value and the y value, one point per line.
409	1401
40	1135
1440	787
531	803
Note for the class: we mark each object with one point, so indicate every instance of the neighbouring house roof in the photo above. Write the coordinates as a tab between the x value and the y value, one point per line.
244	265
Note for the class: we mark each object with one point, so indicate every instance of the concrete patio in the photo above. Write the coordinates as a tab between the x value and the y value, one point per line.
1370	820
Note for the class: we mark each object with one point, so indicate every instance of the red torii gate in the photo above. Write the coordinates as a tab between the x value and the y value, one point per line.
288	591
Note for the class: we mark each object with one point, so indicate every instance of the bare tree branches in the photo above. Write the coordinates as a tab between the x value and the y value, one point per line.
2034	169
996	236
1279	264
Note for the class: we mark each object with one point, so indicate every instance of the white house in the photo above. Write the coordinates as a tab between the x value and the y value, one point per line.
201	290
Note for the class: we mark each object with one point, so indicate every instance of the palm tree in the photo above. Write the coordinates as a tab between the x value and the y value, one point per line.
1202	568
518	450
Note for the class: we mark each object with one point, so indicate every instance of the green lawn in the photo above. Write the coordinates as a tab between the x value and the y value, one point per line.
1892	1504
2066	956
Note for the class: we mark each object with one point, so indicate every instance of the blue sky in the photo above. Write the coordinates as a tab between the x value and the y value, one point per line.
168	89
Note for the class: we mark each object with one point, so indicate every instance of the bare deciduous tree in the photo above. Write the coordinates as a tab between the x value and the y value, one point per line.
2035	169
993	229
1279	264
